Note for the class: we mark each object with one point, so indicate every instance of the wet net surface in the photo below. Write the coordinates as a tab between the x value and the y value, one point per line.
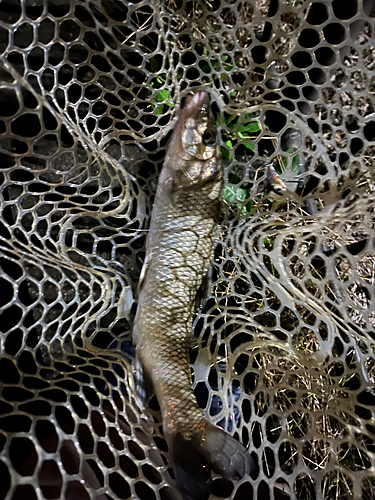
284	353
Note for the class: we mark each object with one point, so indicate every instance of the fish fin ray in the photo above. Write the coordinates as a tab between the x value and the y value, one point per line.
211	450
204	290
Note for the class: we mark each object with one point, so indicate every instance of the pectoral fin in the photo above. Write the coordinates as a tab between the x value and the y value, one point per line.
144	389
169	188
144	270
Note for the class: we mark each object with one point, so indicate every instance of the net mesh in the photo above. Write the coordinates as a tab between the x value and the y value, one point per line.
284	350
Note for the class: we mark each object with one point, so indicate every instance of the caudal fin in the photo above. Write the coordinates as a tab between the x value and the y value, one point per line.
211	450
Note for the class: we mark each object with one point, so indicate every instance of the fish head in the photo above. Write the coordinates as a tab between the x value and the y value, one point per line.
193	156
197	128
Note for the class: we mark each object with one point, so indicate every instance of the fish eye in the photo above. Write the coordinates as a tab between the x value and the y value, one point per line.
208	138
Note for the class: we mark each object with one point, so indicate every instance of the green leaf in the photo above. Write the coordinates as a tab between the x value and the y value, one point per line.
229	194
229	144
235	194
233	178
231	118
242	194
159	81
162	95
295	164
226	153
251	127
228	66
238	194
249	206
242	208
206	63
249	145
240	134
281	166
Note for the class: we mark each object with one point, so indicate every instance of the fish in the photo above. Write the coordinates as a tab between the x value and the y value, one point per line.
179	249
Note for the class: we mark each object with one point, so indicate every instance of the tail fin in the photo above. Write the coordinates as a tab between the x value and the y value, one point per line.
210	450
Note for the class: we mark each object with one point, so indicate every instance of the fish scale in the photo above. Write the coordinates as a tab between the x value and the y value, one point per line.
173	278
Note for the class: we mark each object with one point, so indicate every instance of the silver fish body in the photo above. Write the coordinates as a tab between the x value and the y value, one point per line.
179	249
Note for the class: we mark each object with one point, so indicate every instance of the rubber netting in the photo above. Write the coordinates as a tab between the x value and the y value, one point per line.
284	351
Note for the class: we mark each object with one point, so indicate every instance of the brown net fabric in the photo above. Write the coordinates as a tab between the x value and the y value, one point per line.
284	351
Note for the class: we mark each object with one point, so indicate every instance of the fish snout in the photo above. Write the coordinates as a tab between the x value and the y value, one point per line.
199	100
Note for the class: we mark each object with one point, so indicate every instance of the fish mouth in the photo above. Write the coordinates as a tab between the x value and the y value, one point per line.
199	99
